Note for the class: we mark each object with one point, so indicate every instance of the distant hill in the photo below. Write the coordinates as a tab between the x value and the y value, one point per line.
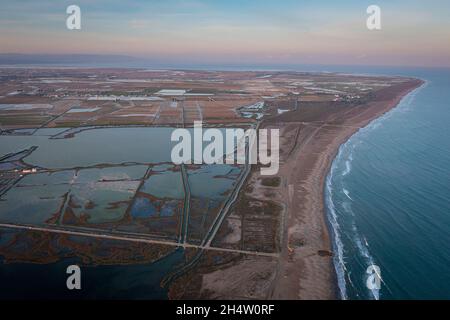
19	58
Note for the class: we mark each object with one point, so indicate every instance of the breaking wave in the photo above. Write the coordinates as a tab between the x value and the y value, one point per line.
338	246
343	210
337	231
347	193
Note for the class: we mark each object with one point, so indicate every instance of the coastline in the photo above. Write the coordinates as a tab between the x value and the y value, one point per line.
298	235
306	219
328	188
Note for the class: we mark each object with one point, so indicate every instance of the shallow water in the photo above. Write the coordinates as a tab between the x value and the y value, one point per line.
91	147
100	197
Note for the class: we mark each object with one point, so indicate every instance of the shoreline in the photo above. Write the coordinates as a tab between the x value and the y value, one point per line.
298	235
331	231
392	104
307	218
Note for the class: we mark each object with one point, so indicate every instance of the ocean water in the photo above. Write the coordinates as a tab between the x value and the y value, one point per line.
388	197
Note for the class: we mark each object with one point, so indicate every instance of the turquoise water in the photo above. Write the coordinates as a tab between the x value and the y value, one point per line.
388	197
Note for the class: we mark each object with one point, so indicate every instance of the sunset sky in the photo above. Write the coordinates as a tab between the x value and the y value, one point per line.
259	32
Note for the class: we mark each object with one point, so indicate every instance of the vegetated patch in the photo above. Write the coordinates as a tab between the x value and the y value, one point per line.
325	253
271	181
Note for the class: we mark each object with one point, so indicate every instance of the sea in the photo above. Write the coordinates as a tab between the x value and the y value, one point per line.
388	198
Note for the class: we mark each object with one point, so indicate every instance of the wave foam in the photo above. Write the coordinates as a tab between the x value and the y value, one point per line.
360	241
339	263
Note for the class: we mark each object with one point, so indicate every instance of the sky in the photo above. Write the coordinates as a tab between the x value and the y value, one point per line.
413	32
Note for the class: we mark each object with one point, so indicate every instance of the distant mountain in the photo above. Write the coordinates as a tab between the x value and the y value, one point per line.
19	58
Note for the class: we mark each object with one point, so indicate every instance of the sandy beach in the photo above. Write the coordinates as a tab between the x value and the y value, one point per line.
305	269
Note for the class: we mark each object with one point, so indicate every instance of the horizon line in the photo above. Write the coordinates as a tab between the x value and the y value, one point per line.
159	62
